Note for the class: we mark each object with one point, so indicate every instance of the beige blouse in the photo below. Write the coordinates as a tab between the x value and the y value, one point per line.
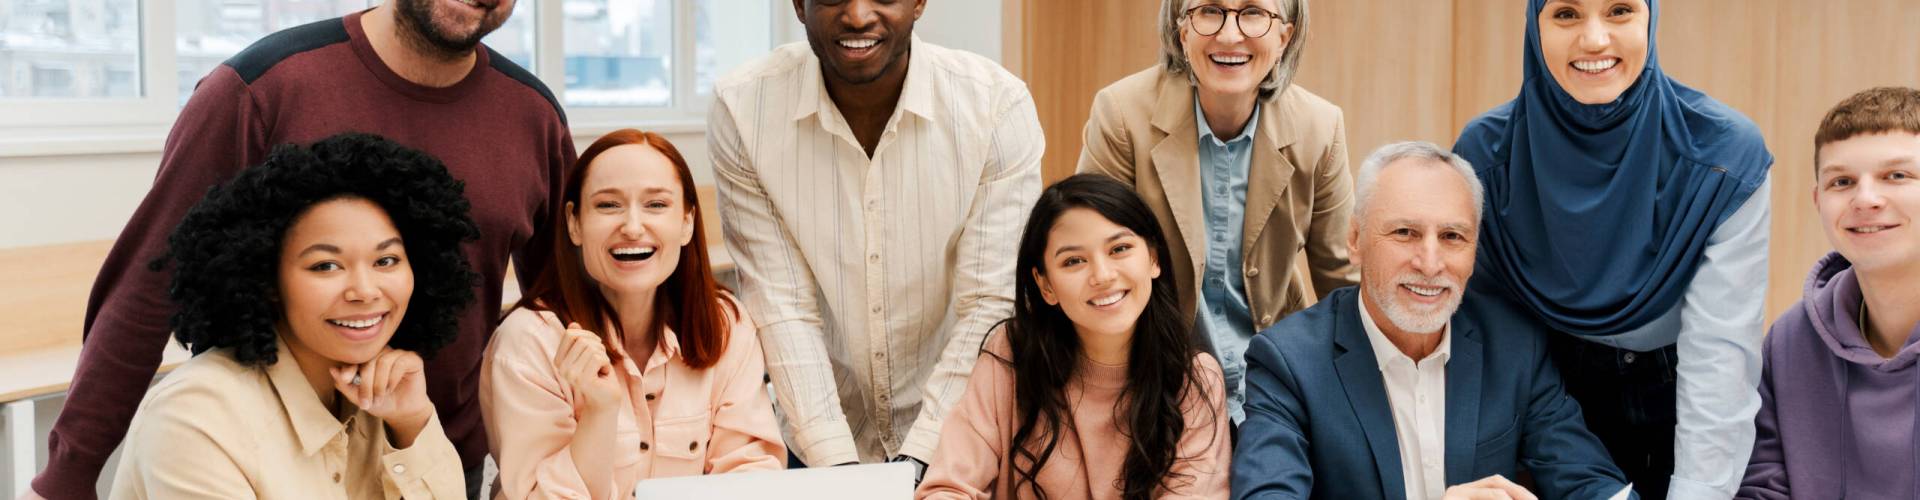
215	428
682	421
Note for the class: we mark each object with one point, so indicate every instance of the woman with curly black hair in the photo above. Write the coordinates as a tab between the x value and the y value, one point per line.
292	281
1094	389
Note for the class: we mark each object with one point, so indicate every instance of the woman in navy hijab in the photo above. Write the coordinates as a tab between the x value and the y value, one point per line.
1630	212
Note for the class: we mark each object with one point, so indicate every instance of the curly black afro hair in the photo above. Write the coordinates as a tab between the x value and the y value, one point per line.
226	252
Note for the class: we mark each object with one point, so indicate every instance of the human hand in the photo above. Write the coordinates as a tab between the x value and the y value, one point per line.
583	364
391	386
1492	487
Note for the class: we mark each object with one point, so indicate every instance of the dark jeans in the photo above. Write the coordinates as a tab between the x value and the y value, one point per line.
1628	399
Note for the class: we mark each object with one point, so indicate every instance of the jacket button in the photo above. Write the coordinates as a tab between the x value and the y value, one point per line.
1253	271
336	477
1268	319
650	397
693	446
643	446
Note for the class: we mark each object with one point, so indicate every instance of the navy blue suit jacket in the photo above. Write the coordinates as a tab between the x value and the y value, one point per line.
1319	425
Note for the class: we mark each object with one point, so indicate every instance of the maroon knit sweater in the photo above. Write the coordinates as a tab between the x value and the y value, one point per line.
499	130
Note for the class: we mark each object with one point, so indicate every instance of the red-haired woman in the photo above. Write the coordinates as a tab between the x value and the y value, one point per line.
626	360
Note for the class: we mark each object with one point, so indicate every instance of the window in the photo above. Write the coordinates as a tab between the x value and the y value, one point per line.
724	38
125	67
622	60
619	52
66	49
515	38
207	32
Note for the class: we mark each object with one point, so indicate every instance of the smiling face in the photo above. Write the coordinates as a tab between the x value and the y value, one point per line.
632	220
858	41
1415	245
1595	49
344	281
1867	195
1228	62
453	25
1099	273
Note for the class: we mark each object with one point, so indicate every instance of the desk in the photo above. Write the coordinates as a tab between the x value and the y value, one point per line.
44	298
30	375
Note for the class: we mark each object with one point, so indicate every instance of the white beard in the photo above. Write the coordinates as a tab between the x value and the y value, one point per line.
1415	319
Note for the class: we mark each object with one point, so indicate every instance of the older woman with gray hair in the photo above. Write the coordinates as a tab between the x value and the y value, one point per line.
1242	168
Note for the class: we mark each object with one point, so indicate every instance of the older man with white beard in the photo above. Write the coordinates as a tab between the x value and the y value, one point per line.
1409	386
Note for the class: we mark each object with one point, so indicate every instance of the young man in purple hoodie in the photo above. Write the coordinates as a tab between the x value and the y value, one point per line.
1838	412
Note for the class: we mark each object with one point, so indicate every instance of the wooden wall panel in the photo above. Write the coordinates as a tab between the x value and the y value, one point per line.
1718	46
1486	47
1070	50
1722	47
1412	69
1827	51
1386	66
1725	48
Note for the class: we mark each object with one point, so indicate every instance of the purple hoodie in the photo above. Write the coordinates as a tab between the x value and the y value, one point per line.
1836	420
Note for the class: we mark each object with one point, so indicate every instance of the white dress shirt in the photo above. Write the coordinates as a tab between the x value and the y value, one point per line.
1417	392
873	280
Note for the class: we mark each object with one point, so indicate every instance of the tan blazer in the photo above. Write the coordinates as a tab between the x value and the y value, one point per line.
1298	193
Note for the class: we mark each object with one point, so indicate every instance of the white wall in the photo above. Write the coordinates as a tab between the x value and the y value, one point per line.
972	25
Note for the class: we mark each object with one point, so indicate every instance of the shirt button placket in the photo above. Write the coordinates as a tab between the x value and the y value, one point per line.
876	298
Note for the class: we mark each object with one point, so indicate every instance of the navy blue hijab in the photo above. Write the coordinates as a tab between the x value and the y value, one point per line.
1597	215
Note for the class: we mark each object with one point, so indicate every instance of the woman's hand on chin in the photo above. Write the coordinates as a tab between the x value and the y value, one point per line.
391	386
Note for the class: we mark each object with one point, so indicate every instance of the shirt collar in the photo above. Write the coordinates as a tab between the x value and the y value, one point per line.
1383	350
1206	132
312	422
668	350
915	97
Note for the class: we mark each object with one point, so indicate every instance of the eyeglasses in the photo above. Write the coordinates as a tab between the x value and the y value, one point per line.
1254	22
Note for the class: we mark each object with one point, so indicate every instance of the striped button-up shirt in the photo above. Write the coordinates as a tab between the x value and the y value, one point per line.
873	279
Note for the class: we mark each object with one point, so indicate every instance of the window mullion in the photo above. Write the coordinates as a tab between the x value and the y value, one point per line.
684	38
549	46
158	78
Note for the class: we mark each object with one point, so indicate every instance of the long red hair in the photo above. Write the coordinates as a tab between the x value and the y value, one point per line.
689	301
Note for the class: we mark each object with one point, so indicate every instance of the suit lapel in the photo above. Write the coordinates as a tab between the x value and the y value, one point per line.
1269	172
1465	369
1176	160
1367	393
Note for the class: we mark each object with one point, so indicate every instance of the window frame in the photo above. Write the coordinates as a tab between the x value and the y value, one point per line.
86	126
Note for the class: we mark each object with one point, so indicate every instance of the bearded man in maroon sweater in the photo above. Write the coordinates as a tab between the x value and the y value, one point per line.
410	70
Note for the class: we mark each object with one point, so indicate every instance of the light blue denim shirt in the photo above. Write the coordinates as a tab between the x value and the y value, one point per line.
1222	313
1718	326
